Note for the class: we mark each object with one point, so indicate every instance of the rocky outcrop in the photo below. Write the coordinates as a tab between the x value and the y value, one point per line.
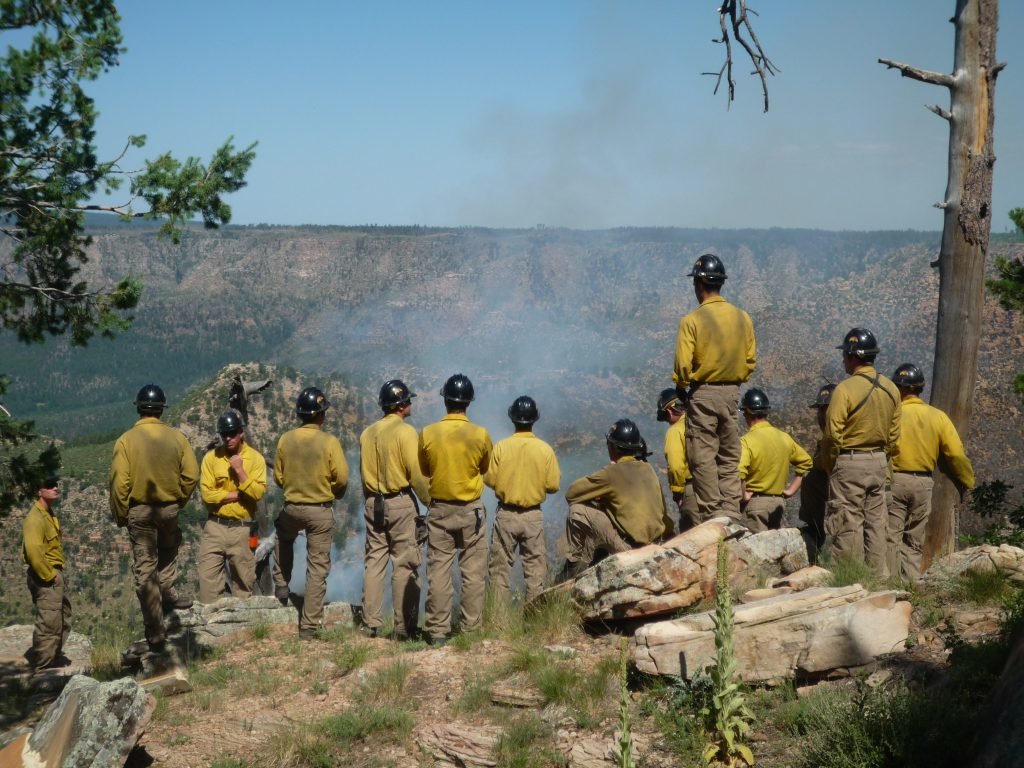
200	628
661	578
91	724
460	744
988	557
798	635
17	639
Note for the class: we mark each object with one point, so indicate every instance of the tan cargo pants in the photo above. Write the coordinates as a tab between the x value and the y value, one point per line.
763	513
391	535
318	523
455	529
910	504
713	449
53	618
225	544
857	518
522	529
155	538
589	536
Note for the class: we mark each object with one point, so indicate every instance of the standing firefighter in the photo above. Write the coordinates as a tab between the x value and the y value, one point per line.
233	480
926	434
43	554
310	467
391	474
455	453
523	472
814	489
767	455
715	353
862	427
617	508
672	409
152	476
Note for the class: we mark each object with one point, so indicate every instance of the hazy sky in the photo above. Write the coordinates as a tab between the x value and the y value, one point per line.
577	113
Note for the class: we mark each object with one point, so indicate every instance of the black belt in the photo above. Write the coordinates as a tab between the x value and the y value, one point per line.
517	508
310	503
716	383
856	451
456	502
140	503
769	495
230	522
908	472
387	495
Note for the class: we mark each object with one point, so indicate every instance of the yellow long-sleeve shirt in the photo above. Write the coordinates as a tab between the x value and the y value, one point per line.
219	479
875	425
41	548
389	459
153	464
523	470
715	344
675	457
766	455
455	454
926	433
630	492
310	466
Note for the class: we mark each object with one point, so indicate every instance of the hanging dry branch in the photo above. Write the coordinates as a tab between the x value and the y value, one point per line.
733	14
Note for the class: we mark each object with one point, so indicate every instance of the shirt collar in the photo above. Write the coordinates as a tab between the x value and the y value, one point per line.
455	417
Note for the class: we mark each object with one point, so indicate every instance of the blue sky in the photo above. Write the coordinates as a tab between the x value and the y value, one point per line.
577	113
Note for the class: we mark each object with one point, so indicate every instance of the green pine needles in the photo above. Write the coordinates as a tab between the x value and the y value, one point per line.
727	719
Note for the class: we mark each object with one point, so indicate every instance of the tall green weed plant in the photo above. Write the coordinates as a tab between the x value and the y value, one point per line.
727	719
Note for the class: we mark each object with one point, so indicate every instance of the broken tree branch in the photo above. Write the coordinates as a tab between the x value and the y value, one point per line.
735	11
915	73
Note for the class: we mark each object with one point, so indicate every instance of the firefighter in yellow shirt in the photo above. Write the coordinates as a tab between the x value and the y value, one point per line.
767	455
862	427
311	469
233	478
715	353
672	409
152	476
42	552
814	488
390	468
523	471
926	434
455	454
617	508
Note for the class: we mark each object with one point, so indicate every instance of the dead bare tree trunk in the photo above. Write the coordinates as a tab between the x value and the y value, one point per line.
965	233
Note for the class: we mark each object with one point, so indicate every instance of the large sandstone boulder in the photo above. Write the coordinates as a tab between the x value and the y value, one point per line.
988	557
803	634
91	724
662	578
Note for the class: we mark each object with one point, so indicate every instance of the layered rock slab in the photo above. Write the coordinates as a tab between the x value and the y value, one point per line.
798	635
678	573
987	558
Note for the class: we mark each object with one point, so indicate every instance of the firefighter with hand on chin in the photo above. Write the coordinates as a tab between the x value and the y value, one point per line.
233	478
